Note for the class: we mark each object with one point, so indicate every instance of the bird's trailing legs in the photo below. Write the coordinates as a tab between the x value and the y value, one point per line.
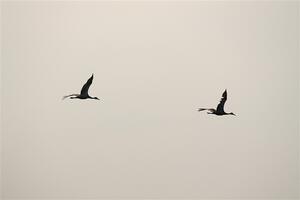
72	96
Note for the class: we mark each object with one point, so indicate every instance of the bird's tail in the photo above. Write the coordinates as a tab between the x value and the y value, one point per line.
71	95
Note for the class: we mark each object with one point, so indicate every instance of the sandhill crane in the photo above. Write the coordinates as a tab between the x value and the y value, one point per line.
220	107
84	91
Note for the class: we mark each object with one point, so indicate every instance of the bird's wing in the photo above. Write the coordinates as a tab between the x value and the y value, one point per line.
85	88
220	107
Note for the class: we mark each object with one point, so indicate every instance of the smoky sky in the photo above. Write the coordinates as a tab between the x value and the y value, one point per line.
154	65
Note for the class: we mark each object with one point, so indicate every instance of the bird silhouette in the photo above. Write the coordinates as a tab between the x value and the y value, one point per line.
220	107
84	91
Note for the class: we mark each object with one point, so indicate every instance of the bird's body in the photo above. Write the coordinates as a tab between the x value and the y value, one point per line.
84	91
220	108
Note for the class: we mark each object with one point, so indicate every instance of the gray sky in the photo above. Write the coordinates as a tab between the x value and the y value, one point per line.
154	65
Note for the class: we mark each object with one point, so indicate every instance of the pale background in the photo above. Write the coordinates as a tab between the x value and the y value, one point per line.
154	65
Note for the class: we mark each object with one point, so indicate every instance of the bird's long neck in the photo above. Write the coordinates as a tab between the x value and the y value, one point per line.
93	98
229	114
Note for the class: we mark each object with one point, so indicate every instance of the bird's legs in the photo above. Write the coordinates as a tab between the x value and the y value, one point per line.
72	96
211	113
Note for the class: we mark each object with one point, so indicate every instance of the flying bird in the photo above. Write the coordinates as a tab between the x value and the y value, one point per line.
220	107
84	91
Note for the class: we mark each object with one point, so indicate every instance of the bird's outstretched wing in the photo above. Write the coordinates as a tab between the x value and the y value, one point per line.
220	107
85	88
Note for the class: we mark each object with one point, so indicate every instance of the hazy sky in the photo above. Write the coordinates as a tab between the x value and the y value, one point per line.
154	64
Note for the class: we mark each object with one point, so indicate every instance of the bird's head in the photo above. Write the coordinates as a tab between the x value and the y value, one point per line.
232	114
96	98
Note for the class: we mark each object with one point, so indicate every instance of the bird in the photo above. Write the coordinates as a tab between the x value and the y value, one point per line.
220	108
84	91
